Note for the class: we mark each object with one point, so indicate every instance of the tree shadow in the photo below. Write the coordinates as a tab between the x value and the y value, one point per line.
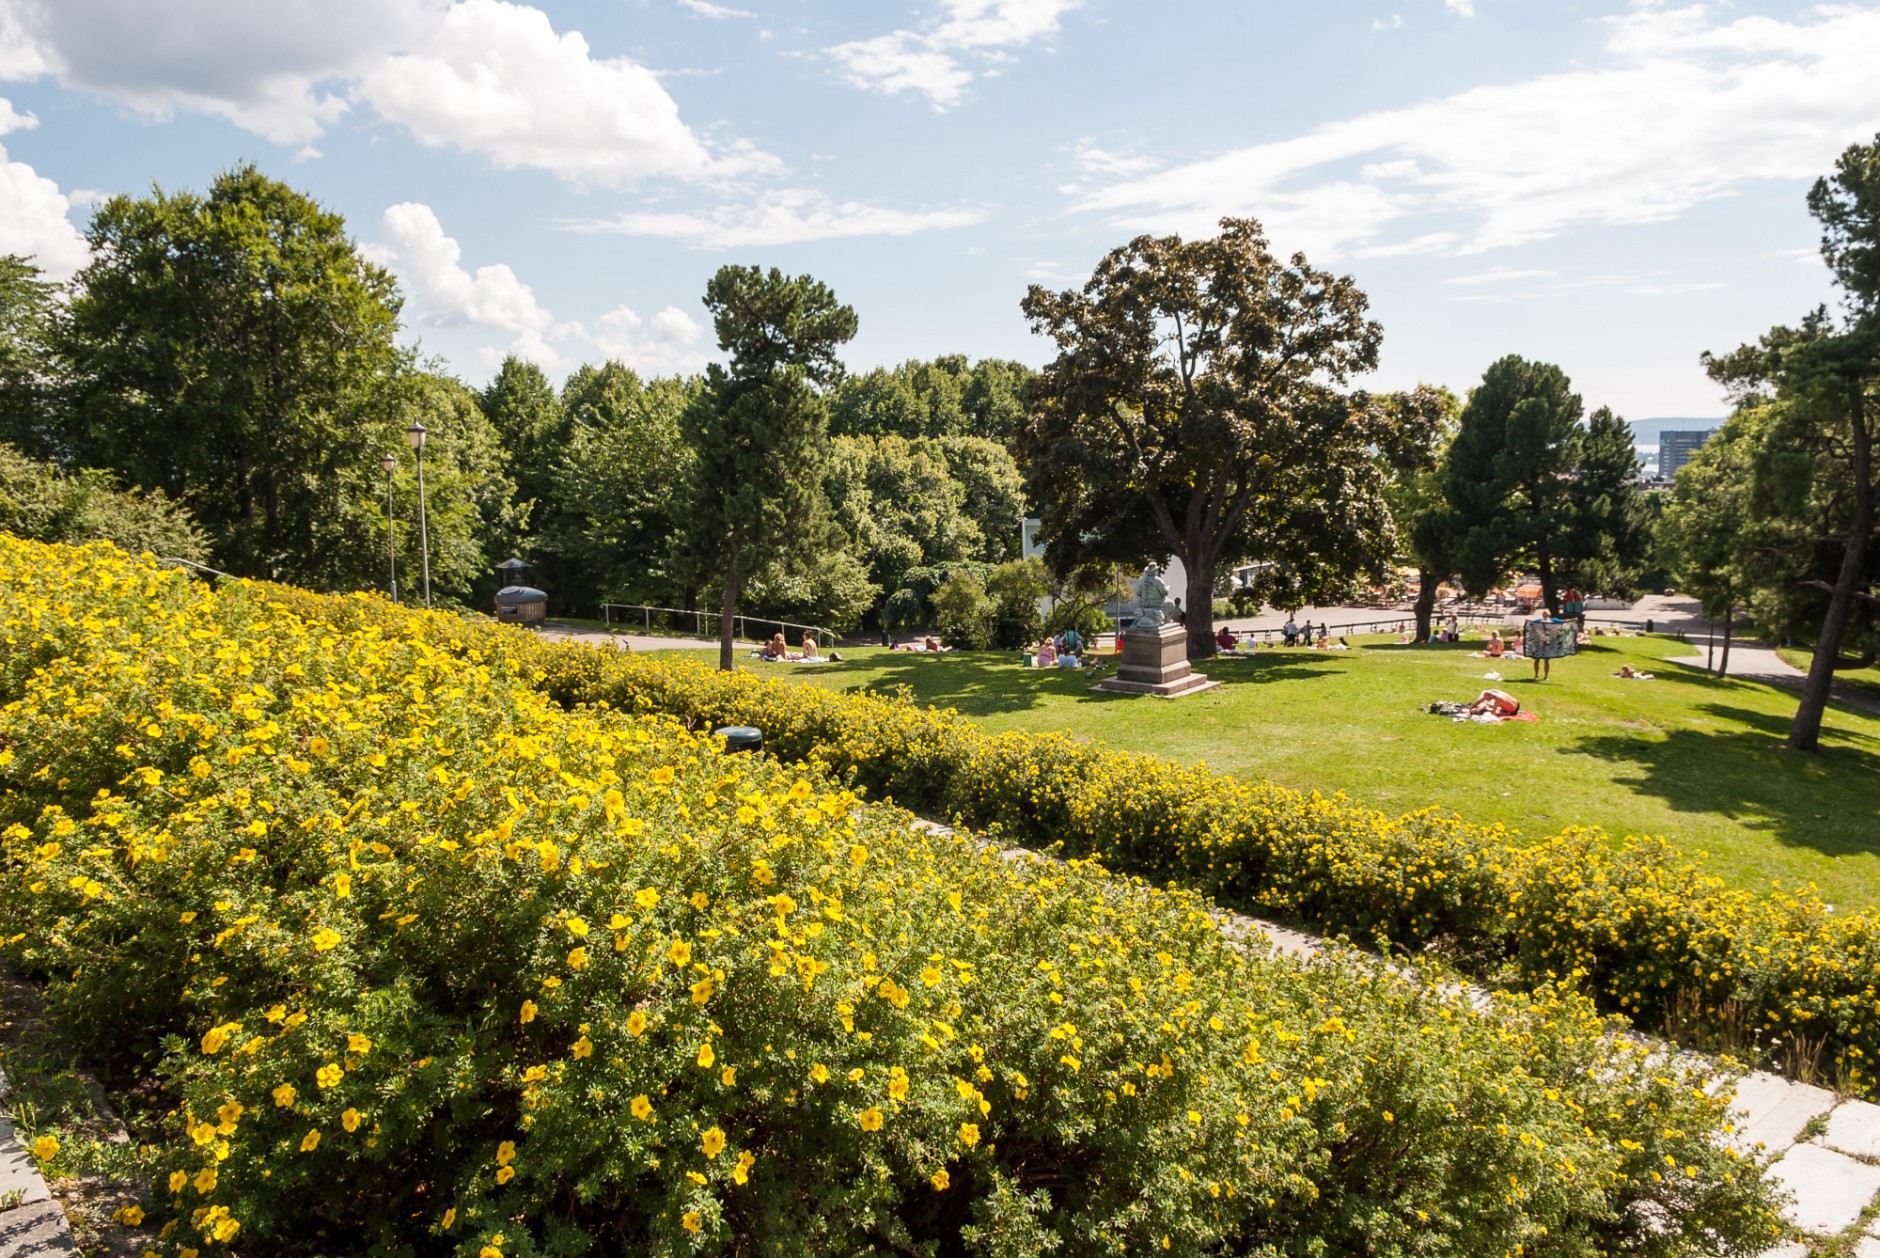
982	683
1824	801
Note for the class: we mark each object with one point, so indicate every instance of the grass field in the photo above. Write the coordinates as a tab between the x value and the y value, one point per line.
1866	680
1694	758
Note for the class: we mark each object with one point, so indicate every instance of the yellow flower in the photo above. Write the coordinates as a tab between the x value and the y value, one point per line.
583	1047
941	1179
691	1221
702	990
205	1180
129	1216
284	1095
741	1173
45	1147
705	1055
179	1180
342	885
969	1134
819	1073
319	746
728	1076
680	953
329	1075
535	1074
645	898
310	1141
713	1143
325	939
229	1115
350	1119
577	927
216	1037
931	975
489	1251
450	1218
528	1011
636	1023
870	1119
358	1045
577	959
641	1108
505	1173
505	1153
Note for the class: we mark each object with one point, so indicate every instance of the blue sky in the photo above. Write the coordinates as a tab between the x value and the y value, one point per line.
1612	186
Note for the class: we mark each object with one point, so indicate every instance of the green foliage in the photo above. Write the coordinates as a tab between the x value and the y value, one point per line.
529	420
1194	409
758	430
644	998
962	612
41	502
1086	617
1609	536
1015	589
30	370
235	351
1701	534
946	398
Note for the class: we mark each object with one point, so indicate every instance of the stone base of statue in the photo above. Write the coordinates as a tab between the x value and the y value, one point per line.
1155	662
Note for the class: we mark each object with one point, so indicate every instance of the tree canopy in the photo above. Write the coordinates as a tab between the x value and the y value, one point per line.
1194	408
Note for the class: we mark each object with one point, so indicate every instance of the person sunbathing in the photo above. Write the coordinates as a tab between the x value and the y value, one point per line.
1495	703
1496	647
935	648
1626	670
776	649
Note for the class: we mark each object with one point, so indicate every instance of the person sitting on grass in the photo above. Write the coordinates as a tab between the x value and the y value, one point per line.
809	648
776	649
1072	643
934	648
1047	654
1224	638
1496	648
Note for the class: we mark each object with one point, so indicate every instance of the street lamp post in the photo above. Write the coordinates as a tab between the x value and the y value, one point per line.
391	538
415	435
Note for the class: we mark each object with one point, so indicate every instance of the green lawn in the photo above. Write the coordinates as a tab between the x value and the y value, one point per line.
1862	679
1696	759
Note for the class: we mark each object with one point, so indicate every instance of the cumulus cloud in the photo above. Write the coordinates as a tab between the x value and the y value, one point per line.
934	62
484	76
1687	108
718	12
33	220
782	217
443	293
1392	23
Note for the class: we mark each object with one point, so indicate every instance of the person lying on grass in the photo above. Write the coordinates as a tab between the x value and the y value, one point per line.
1626	670
1495	703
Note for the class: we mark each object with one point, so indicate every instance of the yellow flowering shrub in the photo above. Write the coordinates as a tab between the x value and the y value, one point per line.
420	960
1641	928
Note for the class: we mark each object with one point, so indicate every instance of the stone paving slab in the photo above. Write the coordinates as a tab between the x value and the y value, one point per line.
1830	1189
17	1170
1775	1110
1854	1128
1869	1247
37	1231
1788	1249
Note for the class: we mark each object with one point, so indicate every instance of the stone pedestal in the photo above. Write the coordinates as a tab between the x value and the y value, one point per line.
1155	662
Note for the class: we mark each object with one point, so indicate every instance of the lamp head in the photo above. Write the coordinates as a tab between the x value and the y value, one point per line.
388	463
415	435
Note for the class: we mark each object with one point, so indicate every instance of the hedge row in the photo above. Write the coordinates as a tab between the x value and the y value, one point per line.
1643	930
422	962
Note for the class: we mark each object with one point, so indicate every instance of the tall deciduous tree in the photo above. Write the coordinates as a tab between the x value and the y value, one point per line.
759	430
1194	408
521	404
29	363
1609	523
1416	499
1825	379
1702	533
235	351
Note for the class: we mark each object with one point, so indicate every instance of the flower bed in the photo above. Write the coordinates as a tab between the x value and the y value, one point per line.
419	960
1643	930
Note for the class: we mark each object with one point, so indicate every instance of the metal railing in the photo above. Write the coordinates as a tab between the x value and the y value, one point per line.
199	569
1473	619
704	624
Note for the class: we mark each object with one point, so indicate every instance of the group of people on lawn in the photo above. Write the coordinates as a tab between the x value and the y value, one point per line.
777	651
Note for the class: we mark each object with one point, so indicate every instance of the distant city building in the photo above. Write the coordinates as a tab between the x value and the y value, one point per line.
1675	448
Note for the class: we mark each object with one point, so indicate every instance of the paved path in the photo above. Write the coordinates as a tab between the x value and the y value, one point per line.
1826	1148
556	632
33	1226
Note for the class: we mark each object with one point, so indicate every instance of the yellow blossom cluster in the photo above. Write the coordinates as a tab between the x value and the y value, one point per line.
438	963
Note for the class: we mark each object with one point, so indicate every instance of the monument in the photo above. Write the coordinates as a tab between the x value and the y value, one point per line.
1155	649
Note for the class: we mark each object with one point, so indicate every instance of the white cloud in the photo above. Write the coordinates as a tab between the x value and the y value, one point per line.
429	266
1465	8
1101	161
1499	275
782	217
1687	109
33	219
485	76
704	8
1392	23
930	62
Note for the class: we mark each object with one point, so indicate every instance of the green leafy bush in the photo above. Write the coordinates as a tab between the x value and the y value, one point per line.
424	962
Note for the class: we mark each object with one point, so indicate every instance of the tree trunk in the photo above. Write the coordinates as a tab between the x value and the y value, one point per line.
1805	732
726	648
1549	595
1729	626
1426	603
1198	602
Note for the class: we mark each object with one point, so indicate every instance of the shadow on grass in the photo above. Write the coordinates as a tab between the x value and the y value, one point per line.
1742	771
981	683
